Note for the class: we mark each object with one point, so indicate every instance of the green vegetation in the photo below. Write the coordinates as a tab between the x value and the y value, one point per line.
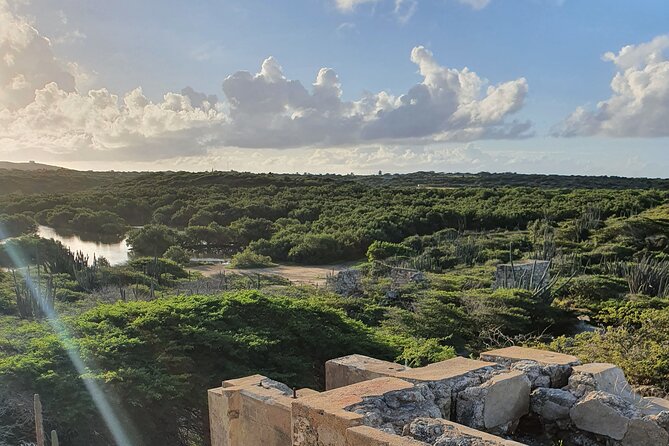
249	259
156	336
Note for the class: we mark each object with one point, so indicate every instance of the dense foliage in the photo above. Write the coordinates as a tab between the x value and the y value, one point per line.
156	334
156	359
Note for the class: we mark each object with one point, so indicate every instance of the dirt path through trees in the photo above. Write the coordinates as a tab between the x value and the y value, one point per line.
298	274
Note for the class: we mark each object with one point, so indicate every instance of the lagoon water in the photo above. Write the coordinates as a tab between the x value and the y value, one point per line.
116	253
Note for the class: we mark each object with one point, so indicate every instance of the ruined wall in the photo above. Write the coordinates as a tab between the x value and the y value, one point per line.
513	396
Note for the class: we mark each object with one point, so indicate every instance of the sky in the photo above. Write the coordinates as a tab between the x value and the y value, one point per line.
337	86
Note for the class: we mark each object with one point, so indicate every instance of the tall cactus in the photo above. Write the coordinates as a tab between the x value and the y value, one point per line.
39	422
54	438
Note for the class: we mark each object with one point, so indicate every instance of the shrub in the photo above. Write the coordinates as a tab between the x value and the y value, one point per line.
152	240
178	255
250	259
419	352
380	250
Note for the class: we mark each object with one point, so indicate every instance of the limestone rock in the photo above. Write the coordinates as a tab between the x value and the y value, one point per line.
497	403
436	433
551	404
662	419
603	377
644	432
604	414
653	406
394	410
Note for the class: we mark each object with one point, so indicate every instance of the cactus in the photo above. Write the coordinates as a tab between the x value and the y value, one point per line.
39	422
54	438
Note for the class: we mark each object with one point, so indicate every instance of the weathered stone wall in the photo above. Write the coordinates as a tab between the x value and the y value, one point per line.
455	402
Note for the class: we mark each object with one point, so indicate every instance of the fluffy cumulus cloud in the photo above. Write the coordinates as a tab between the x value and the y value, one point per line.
41	109
26	61
639	104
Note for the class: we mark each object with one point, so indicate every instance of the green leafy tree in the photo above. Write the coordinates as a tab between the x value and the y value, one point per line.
152	240
178	255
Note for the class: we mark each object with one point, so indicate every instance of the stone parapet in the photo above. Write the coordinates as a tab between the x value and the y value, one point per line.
506	398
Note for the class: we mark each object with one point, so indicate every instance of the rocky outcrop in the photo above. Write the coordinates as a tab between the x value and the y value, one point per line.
392	411
534	396
496	405
436	433
346	283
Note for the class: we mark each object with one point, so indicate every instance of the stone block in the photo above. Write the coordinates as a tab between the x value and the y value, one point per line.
440	432
322	420
368	436
510	355
252	410
603	377
543	368
353	369
551	404
653	405
604	414
496	404
642	432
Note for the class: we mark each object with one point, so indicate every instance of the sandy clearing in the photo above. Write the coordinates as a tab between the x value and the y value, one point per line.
302	274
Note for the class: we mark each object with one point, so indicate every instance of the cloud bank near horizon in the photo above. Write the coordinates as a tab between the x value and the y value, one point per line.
41	107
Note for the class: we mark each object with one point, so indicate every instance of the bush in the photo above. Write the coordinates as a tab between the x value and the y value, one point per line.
152	240
420	352
380	250
250	259
156	359
156	267
178	255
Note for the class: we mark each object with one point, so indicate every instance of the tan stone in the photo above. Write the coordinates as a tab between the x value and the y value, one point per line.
507	400
368	436
322	419
252	410
645	433
353	369
544	357
449	369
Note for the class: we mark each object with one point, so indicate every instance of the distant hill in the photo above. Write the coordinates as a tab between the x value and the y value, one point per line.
28	166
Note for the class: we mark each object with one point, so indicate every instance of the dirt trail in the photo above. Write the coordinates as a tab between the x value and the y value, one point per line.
303	274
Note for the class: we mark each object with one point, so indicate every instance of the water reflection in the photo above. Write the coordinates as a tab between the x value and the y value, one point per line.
113	250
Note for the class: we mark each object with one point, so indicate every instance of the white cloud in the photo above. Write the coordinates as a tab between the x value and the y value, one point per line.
71	37
350	5
475	4
40	109
27	62
639	104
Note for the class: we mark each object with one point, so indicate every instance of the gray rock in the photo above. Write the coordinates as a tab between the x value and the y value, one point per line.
644	432
497	403
551	404
604	414
662	419
396	409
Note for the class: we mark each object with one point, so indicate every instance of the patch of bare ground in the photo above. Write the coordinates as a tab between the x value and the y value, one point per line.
297	274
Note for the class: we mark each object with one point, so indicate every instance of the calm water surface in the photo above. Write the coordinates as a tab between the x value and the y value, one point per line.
116	253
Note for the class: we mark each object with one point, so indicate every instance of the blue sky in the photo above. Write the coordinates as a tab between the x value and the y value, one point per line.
556	48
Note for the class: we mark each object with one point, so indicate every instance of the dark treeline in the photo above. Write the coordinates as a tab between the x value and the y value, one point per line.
307	218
